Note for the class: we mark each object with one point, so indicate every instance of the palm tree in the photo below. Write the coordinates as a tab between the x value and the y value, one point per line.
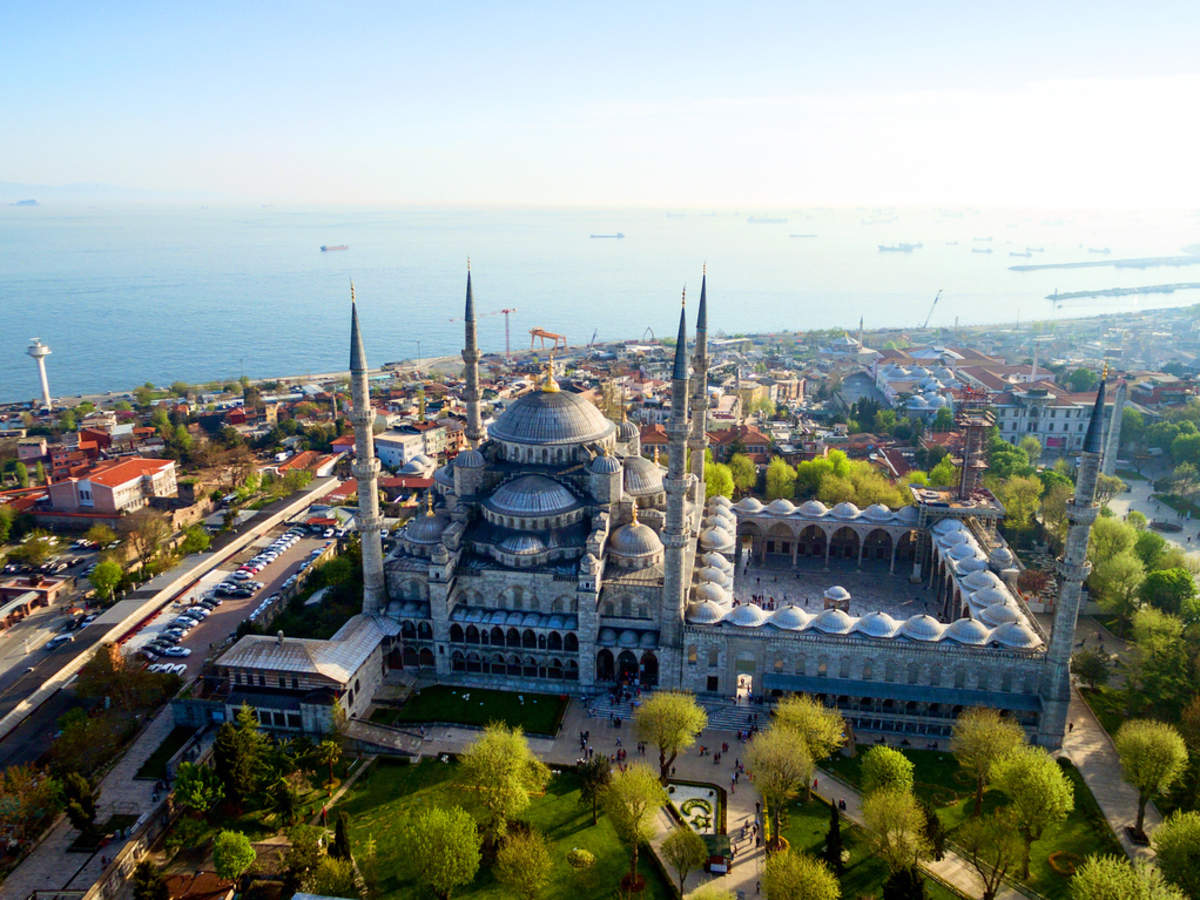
328	753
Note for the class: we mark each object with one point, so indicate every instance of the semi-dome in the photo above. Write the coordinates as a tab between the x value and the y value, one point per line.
523	545
444	476
531	495
705	613
713	592
877	512
627	638
977	581
1017	636
781	507
967	631
469	459
877	625
749	505
833	621
922	628
791	618
747	616
999	614
715	539
425	528
642	477
837	593
606	636
813	508
605	465
551	417
845	510
635	541
908	515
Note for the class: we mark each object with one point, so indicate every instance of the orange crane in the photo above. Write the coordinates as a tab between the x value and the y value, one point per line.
499	312
556	339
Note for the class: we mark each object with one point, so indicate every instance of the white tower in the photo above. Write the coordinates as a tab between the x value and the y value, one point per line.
39	352
366	470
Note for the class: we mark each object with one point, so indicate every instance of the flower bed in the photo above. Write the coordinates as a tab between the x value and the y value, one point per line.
696	804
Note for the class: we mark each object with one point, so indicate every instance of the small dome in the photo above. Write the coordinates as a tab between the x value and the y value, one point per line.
748	505
917	402
990	595
642	477
837	593
1017	636
908	515
714	574
878	625
531	495
922	628
716	539
747	616
627	638
605	465
704	613
999	614
470	459
845	510
970	564
877	512
606	636
977	581
714	593
424	528
965	550
967	631
721	501
712	558
947	525
833	621
648	640
791	618
1001	558
523	545
444	476
626	431
813	508
635	541
951	539
781	507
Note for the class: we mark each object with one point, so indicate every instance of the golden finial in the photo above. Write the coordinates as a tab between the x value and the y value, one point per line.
429	503
1104	372
635	521
704	268
351	290
656	454
468	264
683	297
549	385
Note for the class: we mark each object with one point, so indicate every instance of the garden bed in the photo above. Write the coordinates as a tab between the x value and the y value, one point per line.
701	806
538	714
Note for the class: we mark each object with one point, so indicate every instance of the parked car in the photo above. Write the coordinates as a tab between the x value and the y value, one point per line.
177	651
55	642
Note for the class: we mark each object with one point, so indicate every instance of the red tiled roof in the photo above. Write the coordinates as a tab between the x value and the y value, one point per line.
654	434
406	481
118	472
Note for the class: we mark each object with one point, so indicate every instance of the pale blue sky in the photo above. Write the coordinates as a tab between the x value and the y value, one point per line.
659	104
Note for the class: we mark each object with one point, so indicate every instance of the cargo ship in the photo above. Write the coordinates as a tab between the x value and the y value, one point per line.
899	248
327	248
618	236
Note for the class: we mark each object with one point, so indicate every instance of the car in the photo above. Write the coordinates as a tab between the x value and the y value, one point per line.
178	669
55	642
210	604
157	667
177	652
177	632
198	610
168	639
89	619
328	532
149	654
243	593
242	575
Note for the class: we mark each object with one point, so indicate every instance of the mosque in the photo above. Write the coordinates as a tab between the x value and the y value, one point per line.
552	556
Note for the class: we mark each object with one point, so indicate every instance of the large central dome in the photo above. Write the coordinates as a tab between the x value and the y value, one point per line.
551	417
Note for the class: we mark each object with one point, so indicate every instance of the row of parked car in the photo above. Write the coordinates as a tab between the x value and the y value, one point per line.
167	668
167	642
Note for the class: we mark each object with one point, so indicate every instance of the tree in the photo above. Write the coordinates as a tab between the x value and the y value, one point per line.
670	721
992	846
895	828
1039	794
711	891
22	473
285	802
80	798
1171	590
333	877
523	863
1032	447
904	884
1117	582
594	776
980	737
944	474
631	801
1114	878
502	772
340	848
1158	671
105	578
1153	756
1150	547
781	479
683	850
884	768
35	548
146	530
744	472
718	480
1091	667
100	534
1109	537
1054	508
1177	850
833	841
328	753
28	794
238	754
232	855
1107	487
195	540
1082	380
1020	495
789	875
197	787
302	856
148	882
782	767
443	847
820	728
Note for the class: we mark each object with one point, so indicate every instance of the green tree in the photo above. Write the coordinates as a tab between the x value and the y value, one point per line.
198	788
105	578
1150	547
797	876
1186	449
1171	590
302	856
1176	845
1020	495
340	848
1039	794
80	798
895	828
285	802
195	540
500	770
334	877
718	480
146	529
1117	583
944	474
329	752
594	776
781	480
28	796
1091	667
992	846
1115	878
631	802
943	420
683	850
1159	666
710	890
669	721
884	768
782	767
443	848
1082	380
1153	756
239	752
744	472
100	534
523	864
821	729
148	882
1108	538
1032	447
22	473
232	855
833	841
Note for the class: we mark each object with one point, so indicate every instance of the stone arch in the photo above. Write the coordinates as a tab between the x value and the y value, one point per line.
914	673
541	642
497	636
572	672
474	662
425	631
605	666
514	665
627	665
844	543
528	639
812	541
512	638
530	667
571	642
425	658
906	547
555	668
779	539
408	630
649	669
457	635
878	545
410	657
458	661
554	641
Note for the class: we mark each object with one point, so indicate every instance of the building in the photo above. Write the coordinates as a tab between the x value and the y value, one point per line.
395	448
114	487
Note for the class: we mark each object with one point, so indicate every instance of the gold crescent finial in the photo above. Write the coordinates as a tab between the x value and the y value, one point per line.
635	521
468	264
429	503
683	297
549	385
351	290
704	269
1104	372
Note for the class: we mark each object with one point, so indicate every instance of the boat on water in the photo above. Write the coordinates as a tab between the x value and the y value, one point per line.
329	248
981	249
617	236
899	248
765	220
1025	253
1102	251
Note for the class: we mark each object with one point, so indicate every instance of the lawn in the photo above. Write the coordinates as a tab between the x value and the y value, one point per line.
939	779
1109	706
379	799
536	713
156	766
1130	475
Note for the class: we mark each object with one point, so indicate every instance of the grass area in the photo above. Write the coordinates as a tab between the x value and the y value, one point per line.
536	713
1129	475
1177	503
156	766
383	795
1108	705
805	827
940	780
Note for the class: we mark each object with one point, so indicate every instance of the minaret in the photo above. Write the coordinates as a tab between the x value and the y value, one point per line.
1073	569
1112	447
698	439
675	536
39	352
366	470
470	355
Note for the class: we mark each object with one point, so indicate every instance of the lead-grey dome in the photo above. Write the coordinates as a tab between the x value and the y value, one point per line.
605	465
635	541
523	545
626	431
531	495
470	459
642	477
426	528
551	417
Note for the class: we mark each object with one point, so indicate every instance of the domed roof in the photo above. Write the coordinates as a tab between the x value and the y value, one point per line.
791	618
714	574
648	640
999	614
713	592
877	512
813	508
749	505
642	477
605	465
970	564
947	525
551	417
951	538
965	550
833	621
747	616
1001	557
977	581
425	528
444	476
922	628
917	402
470	459
967	631
990	595
634	540
837	592
606	636
523	544
878	625
626	431
845	510
722	501
781	507
715	539
627	638
531	495
907	514
712	558
704	613
1016	635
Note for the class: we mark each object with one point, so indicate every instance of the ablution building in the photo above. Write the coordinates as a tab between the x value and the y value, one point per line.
552	556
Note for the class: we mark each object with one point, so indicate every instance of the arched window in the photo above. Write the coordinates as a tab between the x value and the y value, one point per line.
555	641
425	659
844	669
529	639
497	636
714	656
571	643
425	631
458	662
914	673
541	642
472	635
456	634
866	670
691	654
408	630
513	638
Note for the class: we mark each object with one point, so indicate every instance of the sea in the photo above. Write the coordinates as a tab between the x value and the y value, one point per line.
127	296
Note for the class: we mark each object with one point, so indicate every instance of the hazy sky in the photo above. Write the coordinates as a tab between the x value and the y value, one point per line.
611	103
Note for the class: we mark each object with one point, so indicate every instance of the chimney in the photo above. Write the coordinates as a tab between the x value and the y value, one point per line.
279	638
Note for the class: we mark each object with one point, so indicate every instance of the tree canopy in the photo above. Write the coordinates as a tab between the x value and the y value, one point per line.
1039	794
789	875
895	826
500	770
1153	756
443	847
669	721
232	854
523	863
1114	878
980	737
631	801
1176	845
885	768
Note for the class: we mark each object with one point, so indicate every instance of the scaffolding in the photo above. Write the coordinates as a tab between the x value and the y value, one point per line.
974	419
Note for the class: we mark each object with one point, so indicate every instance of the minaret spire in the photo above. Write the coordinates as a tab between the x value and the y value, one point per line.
366	470
470	355
698	436
676	572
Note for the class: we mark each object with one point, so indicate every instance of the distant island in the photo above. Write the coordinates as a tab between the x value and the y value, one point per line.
29	202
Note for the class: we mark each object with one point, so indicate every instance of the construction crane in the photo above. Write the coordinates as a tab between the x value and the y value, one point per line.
555	339
593	340
499	312
932	307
